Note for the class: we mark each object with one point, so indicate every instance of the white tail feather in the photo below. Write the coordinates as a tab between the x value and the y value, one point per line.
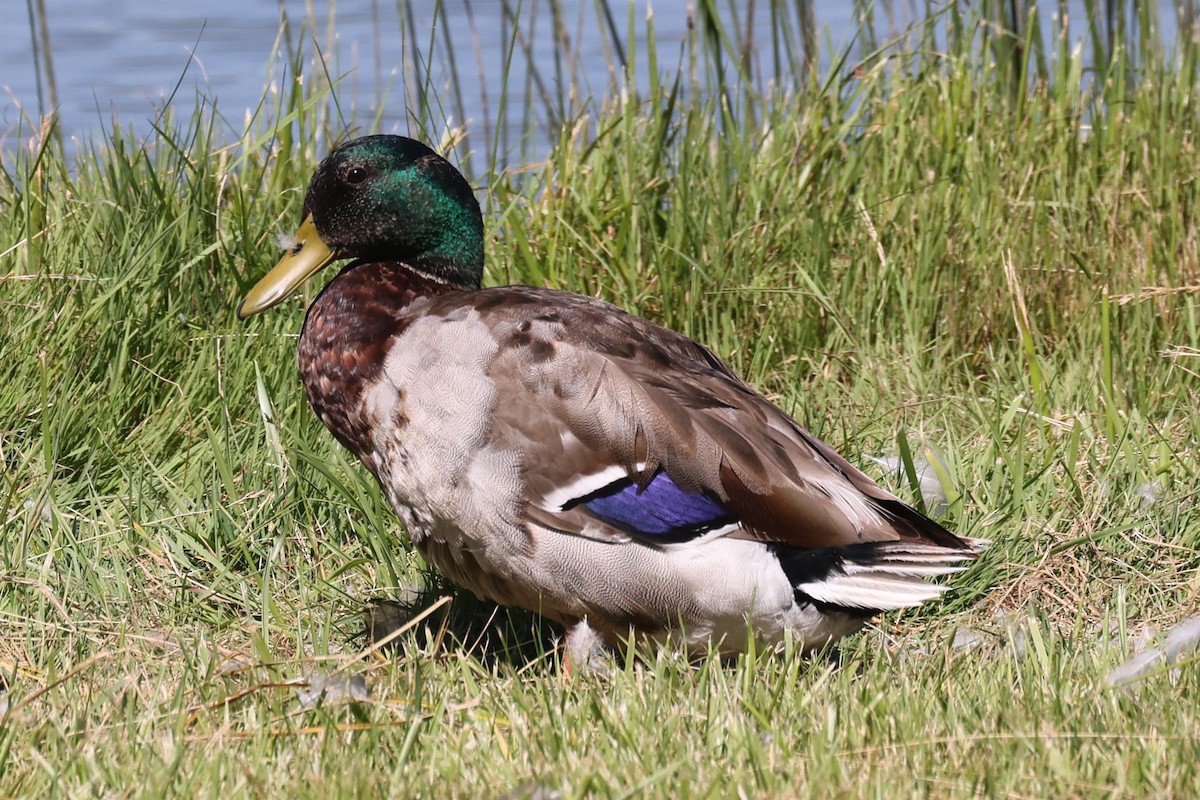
902	569
891	577
879	592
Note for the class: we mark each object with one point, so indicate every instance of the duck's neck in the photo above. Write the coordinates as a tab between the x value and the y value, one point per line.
346	337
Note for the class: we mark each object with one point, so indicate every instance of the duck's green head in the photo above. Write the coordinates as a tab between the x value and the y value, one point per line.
382	198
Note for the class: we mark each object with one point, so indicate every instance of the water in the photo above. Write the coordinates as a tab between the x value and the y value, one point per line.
121	59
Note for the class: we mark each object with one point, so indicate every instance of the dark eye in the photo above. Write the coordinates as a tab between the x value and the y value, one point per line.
356	175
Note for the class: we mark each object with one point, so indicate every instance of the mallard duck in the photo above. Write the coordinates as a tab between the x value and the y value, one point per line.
553	452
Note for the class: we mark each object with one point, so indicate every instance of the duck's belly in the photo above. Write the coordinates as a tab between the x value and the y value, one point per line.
722	591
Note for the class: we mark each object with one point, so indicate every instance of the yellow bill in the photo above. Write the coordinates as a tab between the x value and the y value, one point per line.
307	256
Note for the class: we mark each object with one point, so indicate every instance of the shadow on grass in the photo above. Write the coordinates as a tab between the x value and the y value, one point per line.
492	633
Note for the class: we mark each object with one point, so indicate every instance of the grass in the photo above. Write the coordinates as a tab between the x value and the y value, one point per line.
911	249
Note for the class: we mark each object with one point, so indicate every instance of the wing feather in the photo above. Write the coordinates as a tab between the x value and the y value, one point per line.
587	391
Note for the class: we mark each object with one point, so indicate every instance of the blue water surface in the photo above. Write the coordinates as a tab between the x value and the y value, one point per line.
120	60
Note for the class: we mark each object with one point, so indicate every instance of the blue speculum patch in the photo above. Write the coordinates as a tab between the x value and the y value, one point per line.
660	511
